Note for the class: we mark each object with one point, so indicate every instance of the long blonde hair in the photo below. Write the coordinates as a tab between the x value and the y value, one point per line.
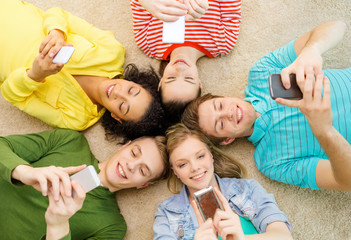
224	164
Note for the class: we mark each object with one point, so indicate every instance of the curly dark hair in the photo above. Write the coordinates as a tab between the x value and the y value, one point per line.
152	123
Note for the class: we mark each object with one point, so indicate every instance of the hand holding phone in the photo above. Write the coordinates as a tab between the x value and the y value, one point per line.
208	202
174	32
87	178
63	55
277	89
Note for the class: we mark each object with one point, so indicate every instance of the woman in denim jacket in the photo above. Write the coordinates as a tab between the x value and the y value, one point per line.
249	211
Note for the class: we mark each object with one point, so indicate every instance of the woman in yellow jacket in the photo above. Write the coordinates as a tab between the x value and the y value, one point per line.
74	95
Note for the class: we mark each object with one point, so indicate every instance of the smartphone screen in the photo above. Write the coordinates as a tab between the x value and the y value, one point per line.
277	90
207	202
174	32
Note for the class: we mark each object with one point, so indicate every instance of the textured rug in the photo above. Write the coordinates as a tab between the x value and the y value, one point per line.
266	25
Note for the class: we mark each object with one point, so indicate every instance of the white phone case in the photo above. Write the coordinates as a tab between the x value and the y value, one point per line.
63	55
174	32
87	178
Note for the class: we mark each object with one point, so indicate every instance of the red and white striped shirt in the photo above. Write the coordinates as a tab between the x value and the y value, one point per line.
215	33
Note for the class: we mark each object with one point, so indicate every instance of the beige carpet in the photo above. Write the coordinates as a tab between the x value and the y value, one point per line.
266	25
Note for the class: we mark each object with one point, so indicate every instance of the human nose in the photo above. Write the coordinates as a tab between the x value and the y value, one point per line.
193	166
118	92
132	165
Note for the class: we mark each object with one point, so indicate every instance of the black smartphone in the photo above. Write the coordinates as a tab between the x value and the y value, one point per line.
207	202
277	89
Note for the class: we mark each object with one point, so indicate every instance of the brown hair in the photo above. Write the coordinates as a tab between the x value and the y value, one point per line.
161	145
190	116
224	164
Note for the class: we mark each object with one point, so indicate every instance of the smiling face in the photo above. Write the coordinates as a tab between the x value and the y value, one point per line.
134	165
126	100
192	163
226	117
180	81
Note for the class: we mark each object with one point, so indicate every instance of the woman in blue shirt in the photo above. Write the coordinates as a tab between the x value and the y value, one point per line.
197	164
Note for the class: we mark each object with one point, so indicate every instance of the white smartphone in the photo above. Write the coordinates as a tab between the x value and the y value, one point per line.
87	178
63	55
174	32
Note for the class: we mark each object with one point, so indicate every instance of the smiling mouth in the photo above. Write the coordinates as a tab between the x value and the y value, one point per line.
199	176
109	90
239	114
181	61
120	171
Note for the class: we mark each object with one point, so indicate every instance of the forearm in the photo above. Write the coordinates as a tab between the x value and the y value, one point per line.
339	153
325	36
270	236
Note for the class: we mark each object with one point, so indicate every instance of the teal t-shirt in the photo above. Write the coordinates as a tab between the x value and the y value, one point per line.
247	226
286	149
22	207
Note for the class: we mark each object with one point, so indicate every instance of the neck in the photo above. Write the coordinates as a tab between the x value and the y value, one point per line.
187	52
257	115
90	84
102	176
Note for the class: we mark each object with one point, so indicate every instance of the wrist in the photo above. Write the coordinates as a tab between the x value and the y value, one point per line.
18	171
32	75
57	231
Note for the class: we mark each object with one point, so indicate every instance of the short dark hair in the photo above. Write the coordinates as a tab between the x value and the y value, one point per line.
152	123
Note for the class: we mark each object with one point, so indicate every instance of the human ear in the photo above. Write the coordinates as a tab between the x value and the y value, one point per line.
124	145
145	185
159	84
200	86
227	141
174	172
115	117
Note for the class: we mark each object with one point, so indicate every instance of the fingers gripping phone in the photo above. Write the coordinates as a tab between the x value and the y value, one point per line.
278	90
208	202
63	55
174	32
87	178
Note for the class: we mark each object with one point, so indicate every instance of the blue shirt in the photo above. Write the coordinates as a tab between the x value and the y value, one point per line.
286	149
176	218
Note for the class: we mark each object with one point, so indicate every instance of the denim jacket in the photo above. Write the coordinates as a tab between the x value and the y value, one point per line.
175	218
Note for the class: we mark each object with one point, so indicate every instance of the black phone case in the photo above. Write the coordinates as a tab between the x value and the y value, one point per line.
277	89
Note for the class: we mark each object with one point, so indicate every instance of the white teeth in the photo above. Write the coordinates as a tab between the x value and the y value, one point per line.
109	90
121	171
198	176
239	114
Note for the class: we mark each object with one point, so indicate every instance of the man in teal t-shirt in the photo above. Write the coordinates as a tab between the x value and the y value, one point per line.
290	146
44	161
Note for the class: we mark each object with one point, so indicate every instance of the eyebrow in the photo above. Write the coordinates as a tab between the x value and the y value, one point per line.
215	108
137	93
141	153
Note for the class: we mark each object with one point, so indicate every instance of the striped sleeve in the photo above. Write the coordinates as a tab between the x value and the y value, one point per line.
216	31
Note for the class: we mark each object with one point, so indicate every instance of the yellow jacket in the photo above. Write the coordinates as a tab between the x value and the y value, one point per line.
58	100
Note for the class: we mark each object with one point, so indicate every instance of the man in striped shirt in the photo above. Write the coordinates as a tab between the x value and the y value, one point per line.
288	149
214	32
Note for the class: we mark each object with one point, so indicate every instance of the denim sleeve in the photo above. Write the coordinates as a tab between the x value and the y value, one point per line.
161	225
267	210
